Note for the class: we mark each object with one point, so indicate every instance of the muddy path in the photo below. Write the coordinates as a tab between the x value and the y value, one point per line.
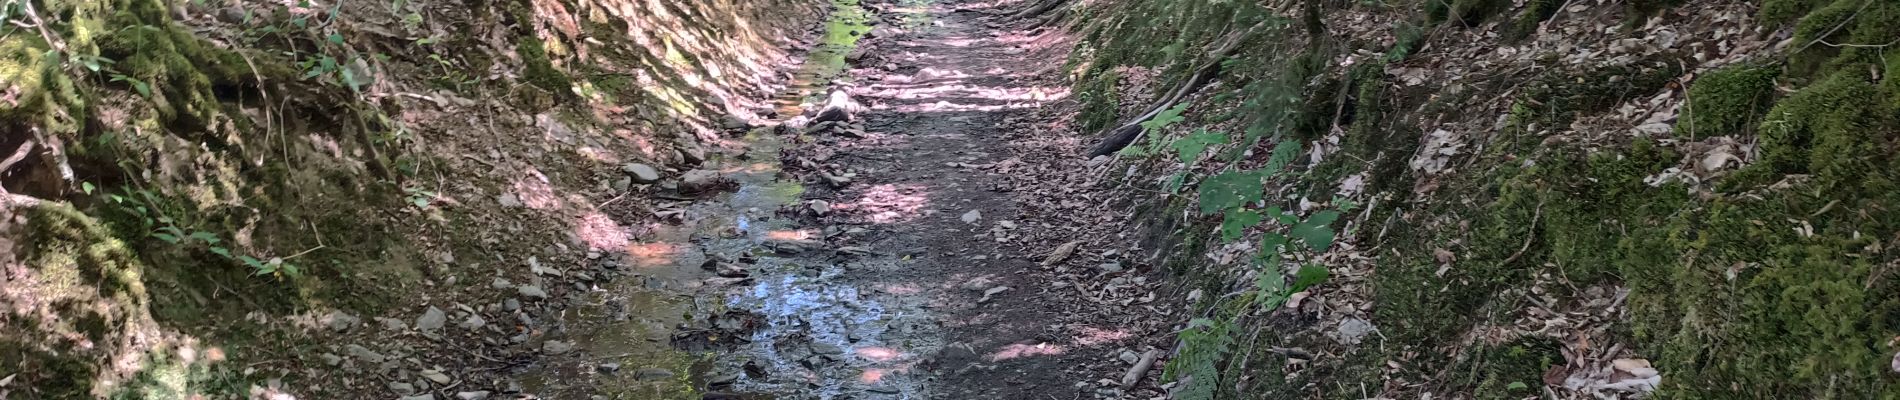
882	257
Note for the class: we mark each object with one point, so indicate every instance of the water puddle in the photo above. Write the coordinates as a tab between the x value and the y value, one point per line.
739	301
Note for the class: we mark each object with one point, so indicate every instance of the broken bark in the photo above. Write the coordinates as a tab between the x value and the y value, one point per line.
1140	369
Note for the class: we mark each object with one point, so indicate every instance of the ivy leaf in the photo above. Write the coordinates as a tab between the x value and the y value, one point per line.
1229	190
1190	147
1236	223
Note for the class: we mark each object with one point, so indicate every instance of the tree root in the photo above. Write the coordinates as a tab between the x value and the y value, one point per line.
1126	134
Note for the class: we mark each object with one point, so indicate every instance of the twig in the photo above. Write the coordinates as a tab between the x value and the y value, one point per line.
1837	27
1539	214
18	155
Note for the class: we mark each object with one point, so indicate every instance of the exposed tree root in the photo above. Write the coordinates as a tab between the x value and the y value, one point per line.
1126	134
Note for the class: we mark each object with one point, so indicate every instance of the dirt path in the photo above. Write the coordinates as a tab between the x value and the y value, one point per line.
889	257
931	195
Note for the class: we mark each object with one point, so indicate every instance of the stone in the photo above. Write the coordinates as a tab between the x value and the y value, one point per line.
393	324
436	376
556	347
402	388
531	291
508	200
501	283
424	396
820	207
607	368
641	173
826	349
652	374
331	359
474	395
511	305
473	322
972	216
341	321
432	320
364	353
698	179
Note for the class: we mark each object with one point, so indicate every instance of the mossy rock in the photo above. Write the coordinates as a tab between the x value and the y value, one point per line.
1728	100
74	302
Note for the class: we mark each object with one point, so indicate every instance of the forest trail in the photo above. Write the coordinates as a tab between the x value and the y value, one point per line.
883	257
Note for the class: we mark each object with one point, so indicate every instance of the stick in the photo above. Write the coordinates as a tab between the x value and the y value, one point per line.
18	155
1141	369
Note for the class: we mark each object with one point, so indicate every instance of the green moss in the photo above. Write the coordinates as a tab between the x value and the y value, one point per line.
1776	12
538	70
1100	101
1511	370
1727	100
1820	129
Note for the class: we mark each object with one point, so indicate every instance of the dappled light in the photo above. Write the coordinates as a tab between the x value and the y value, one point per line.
1022	350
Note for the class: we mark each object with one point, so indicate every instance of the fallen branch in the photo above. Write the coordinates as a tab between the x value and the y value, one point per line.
1126	134
1140	369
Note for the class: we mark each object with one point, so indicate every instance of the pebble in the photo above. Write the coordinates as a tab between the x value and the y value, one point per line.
342	321
424	396
393	324
473	322
511	304
532	292
475	395
436	376
641	173
501	283
432	320
556	347
652	374
826	348
365	354
402	388
331	359
607	368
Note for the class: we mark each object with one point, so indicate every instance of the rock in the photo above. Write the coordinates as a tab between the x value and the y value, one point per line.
652	374
735	122
331	359
607	368
424	396
473	322
531	291
691	151
641	173
511	304
972	216
732	271
979	284
820	207
992	292
1353	330
364	353
401	388
508	200
436	376
838	107
501	283
393	324
432	320
341	321
475	395
556	347
698	179
828	349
